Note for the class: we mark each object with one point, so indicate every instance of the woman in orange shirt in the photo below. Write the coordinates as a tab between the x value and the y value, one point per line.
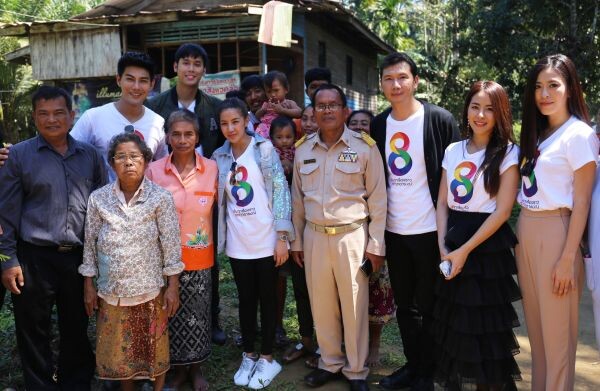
192	180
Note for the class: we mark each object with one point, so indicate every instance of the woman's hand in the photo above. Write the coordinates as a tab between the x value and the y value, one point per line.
457	258
377	261
563	275
288	167
171	296
90	296
281	253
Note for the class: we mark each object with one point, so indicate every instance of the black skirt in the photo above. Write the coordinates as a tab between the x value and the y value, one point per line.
473	314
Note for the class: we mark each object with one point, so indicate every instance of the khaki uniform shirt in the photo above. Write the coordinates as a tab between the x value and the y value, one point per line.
339	185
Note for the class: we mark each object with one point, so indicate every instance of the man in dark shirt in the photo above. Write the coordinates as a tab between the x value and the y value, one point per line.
43	198
412	136
254	96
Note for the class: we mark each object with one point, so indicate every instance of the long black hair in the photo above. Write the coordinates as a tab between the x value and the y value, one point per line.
502	133
534	122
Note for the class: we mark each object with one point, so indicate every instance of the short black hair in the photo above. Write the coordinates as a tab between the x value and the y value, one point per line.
395	58
235	94
281	122
271	76
49	93
233	103
191	50
317	74
126	137
136	59
330	87
252	81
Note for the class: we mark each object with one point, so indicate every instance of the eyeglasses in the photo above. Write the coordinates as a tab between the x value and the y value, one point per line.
123	157
232	180
330	107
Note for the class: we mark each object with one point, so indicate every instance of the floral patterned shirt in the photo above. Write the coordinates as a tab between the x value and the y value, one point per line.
130	248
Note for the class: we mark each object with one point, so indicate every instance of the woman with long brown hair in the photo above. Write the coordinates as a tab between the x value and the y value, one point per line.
473	315
558	162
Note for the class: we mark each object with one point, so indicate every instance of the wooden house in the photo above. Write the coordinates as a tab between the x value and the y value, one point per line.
87	46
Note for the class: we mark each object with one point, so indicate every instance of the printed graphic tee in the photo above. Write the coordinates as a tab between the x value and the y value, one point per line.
250	223
410	209
465	178
550	185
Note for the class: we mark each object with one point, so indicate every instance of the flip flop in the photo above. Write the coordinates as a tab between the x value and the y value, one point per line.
313	361
294	353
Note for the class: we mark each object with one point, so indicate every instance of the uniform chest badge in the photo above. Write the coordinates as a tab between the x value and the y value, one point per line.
348	156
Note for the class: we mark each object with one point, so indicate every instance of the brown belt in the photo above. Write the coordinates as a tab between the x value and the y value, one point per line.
336	229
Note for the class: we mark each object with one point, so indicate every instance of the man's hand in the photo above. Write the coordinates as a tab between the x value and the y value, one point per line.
90	296
171	299
376	260
4	153
298	257
12	279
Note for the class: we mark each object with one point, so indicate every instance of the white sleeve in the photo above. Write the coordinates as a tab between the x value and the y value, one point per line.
82	130
161	148
582	147
510	159
446	154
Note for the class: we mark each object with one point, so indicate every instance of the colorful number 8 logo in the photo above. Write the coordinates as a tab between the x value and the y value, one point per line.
247	193
463	180
399	153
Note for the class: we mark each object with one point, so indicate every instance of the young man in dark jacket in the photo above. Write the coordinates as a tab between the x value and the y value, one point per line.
190	66
412	136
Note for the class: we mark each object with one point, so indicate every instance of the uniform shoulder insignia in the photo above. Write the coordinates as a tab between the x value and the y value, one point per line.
299	142
304	138
367	139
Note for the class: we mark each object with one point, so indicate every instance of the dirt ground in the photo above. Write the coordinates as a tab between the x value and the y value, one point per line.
587	366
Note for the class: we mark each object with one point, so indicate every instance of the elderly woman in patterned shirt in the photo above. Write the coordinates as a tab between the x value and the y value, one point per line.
132	245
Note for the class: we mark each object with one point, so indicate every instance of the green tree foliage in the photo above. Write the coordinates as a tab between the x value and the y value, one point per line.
459	41
16	84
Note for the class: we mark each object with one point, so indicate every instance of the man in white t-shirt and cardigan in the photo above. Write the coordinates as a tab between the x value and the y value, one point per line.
412	136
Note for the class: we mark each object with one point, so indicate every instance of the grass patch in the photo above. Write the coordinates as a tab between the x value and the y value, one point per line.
224	361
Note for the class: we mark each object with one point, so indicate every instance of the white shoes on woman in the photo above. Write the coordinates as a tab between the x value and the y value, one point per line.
256	374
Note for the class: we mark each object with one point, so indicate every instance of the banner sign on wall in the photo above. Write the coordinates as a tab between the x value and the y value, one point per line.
218	84
90	93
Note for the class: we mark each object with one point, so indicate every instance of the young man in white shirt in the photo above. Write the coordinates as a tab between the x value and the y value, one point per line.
412	136
97	126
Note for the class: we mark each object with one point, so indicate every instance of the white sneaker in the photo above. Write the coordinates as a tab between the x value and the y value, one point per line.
242	376
264	373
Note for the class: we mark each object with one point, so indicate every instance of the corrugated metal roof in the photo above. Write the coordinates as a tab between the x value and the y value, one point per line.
149	11
115	8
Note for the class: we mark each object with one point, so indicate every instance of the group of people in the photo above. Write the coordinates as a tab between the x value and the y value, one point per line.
382	216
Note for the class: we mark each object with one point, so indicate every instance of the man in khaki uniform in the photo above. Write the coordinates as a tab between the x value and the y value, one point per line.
339	211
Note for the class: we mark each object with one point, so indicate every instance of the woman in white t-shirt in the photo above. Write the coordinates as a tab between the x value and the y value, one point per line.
473	314
558	162
254	228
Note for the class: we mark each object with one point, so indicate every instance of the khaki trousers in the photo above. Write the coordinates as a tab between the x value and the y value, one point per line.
339	299
552	321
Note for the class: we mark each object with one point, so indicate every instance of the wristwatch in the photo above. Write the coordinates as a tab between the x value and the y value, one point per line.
283	237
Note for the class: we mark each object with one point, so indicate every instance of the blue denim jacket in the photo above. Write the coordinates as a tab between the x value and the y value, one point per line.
277	187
